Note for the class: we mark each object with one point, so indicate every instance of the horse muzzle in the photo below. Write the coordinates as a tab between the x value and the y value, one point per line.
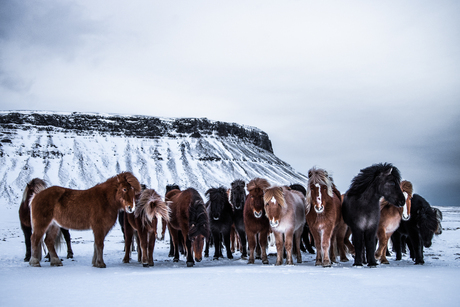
274	224
258	214
319	209
406	217
129	209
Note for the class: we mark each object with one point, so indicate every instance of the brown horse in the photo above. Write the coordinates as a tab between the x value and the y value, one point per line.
33	187
390	218
188	215
95	208
255	221
149	209
324	203
285	209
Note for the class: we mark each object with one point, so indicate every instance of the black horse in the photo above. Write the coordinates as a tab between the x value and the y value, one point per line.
237	199
307	242
220	220
361	206
418	231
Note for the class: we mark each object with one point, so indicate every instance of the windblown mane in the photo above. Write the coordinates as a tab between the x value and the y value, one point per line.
198	222
258	183
321	177
406	186
277	194
34	186
147	211
366	177
129	177
217	194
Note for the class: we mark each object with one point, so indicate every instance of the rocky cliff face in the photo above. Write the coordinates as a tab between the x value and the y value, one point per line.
79	150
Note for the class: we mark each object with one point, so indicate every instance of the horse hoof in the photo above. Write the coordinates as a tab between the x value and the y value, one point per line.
265	261
230	256
251	261
145	265
357	264
190	264
175	260
215	258
34	262
69	256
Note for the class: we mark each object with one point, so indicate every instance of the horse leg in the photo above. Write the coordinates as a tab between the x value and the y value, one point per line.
128	233
263	238
68	241
27	233
243	248
380	254
258	251
217	244
396	239
297	238
252	246
227	241
232	238
289	246
151	239
319	252
358	237
142	234
279	247
35	240
369	237
326	239
50	239
189	252
99	236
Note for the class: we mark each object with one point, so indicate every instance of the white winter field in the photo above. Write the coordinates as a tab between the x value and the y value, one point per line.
223	282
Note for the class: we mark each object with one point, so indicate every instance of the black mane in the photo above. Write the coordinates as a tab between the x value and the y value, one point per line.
367	176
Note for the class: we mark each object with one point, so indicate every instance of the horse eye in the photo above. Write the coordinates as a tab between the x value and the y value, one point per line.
124	190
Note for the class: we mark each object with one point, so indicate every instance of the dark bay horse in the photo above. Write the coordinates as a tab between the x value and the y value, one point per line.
220	220
188	215
95	208
418	230
237	199
255	221
285	209
33	187
307	242
390	218
149	209
324	203
361	206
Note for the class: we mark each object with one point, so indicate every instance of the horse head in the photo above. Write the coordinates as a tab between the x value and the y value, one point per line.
274	205
388	185
197	246
406	187
319	190
256	189
237	194
427	224
217	199
127	188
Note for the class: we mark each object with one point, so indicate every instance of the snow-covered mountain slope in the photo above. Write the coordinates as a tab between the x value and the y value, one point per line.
79	150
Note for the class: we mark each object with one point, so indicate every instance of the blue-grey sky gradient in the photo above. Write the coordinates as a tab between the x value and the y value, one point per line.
336	84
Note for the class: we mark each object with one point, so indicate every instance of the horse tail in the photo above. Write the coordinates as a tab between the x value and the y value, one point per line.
198	222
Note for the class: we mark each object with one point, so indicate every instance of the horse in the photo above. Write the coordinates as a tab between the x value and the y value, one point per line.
361	206
32	188
188	214
220	221
169	188
418	230
307	242
390	218
439	219
237	199
285	210
95	208
256	223
150	208
324	215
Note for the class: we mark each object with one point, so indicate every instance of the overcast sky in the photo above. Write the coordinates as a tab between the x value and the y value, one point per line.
335	84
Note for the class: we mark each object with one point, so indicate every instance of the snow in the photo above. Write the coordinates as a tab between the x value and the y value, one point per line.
223	282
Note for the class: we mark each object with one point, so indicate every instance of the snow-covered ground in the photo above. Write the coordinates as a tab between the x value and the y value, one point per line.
223	282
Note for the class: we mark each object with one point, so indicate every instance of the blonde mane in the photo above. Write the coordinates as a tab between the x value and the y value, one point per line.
277	194
258	183
146	212
321	177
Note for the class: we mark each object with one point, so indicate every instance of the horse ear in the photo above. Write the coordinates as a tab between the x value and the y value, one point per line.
388	173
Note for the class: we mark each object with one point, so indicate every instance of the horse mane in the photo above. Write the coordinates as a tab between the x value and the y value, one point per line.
34	186
406	186
238	183
321	177
130	179
367	176
147	212
277	194
426	218
258	183
216	194
171	187
298	187
198	222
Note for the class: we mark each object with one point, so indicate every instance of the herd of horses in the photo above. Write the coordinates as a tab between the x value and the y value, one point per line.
378	207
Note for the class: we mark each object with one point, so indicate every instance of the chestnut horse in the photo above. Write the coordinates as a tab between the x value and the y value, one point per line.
255	221
149	209
390	218
188	215
95	208
33	187
285	209
324	203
